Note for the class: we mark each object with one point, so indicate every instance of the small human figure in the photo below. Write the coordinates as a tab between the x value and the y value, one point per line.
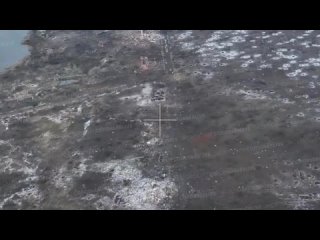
144	63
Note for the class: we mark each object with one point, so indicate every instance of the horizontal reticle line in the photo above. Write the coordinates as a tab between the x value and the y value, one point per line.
172	120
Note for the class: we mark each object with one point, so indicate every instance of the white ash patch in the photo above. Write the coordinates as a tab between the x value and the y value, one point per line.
145	98
81	169
31	194
297	201
142	99
147	194
306	44
313	61
296	186
287	101
230	54
61	118
5	123
122	169
294	73
86	126
281	55
65	177
62	180
27	164
311	85
188	45
149	128
220	46
104	203
79	109
245	57
46	140
153	141
7	164
293	200
217	35
304	74
24	93
142	192
286	66
247	63
264	66
245	32
131	97
300	114
251	94
152	36
147	90
305	96
213	51
89	197
282	50
304	65
184	35
238	39
277	33
20	96
141	37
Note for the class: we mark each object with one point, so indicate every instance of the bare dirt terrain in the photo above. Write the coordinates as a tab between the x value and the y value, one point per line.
239	121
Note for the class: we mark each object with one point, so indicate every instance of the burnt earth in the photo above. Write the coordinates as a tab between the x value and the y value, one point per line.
74	135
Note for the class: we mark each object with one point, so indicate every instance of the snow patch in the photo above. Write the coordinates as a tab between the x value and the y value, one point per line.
142	192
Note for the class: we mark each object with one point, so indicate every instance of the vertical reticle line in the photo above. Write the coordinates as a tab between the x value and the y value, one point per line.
159	120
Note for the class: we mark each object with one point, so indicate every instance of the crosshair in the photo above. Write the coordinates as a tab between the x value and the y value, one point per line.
160	120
